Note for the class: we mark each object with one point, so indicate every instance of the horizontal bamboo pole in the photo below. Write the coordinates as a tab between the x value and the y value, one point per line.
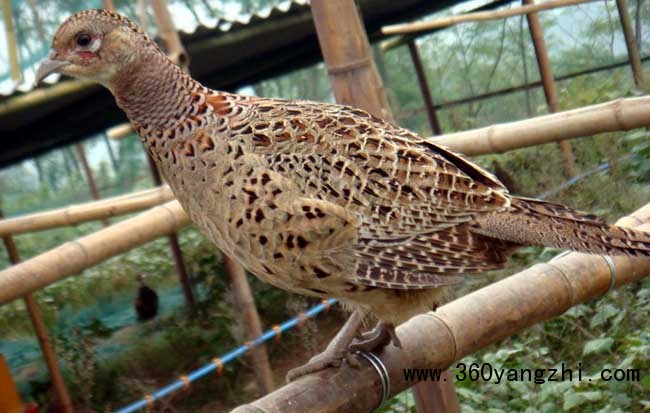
75	214
437	340
620	114
120	131
476	17
75	256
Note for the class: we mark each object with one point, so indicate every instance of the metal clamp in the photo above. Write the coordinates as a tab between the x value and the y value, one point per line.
382	371
612	270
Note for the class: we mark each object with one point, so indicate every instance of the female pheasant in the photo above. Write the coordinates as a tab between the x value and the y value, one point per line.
320	199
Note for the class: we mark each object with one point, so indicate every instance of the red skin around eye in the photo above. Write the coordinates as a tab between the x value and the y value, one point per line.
87	55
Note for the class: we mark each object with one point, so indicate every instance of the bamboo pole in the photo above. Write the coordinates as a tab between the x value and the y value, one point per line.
12	47
550	92
120	131
108	4
476	17
438	339
168	33
251	319
620	114
346	52
356	81
424	88
73	257
630	43
88	173
531	85
76	214
40	330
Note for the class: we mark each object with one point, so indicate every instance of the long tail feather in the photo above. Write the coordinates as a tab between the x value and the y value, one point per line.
534	222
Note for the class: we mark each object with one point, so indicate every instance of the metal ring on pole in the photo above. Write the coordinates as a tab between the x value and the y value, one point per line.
612	270
382	371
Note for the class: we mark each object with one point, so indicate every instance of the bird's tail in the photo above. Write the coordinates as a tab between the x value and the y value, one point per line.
534	222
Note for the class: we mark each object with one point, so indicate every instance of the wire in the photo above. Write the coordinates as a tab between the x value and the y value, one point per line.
216	365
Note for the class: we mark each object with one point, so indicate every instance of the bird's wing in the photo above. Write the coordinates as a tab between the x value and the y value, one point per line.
401	183
413	199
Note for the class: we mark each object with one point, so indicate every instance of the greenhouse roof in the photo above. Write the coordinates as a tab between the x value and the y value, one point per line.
224	54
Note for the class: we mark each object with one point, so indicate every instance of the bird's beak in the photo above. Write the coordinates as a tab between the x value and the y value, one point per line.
49	65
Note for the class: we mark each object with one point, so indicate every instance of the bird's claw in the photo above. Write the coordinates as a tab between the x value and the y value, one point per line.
322	361
377	338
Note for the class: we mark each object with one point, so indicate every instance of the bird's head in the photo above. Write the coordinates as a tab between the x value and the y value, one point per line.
96	45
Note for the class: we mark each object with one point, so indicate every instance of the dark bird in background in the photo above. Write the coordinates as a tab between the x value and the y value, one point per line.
146	303
505	177
321	199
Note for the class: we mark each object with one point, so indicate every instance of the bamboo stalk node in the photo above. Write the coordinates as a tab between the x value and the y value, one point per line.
349	66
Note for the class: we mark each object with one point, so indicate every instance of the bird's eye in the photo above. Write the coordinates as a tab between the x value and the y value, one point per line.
83	40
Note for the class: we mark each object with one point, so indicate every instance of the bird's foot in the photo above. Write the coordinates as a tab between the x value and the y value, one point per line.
328	358
337	350
377	338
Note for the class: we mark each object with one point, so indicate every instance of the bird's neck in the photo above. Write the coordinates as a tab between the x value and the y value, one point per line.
153	91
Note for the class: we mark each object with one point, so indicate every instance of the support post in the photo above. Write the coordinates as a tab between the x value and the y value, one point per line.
550	93
14	66
355	80
424	87
346	51
88	173
630	43
36	318
250	320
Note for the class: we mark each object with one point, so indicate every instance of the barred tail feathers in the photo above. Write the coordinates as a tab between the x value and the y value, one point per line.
534	222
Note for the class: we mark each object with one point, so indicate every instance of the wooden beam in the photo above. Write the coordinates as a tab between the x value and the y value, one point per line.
424	88
12	46
250	320
546	72
88	173
90	211
476	17
169	35
436	340
531	85
73	257
630	43
356	82
617	115
348	58
60	389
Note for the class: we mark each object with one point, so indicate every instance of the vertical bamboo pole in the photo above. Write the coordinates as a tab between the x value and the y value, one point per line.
12	47
251	320
546	73
168	33
175	247
630	42
88	173
108	4
424	87
41	333
344	44
355	81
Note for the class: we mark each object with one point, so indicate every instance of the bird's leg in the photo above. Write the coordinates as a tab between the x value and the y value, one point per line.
336	350
378	337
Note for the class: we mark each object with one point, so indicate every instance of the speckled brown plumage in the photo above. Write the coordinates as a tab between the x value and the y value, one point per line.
323	199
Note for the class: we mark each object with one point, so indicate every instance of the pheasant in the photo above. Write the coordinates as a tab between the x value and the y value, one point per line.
321	199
